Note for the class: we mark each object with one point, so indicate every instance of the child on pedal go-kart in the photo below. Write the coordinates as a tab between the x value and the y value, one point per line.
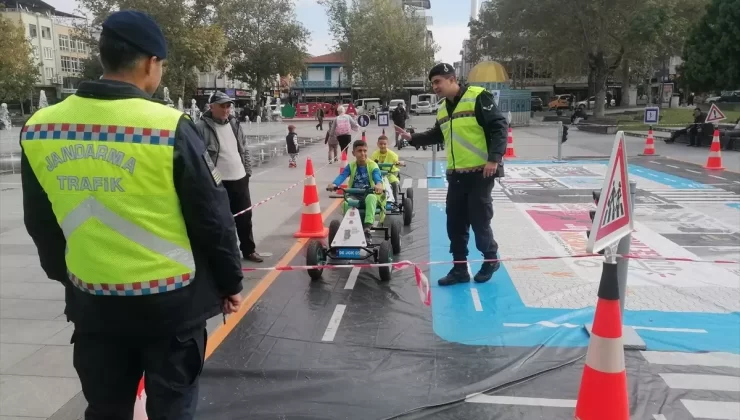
385	155
363	173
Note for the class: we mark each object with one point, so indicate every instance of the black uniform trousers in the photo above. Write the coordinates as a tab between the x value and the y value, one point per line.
110	367
239	199
469	204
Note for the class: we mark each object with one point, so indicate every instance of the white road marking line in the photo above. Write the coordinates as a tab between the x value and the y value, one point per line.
702	382
736	182
657	163
476	299
422	184
713	359
691	170
536	402
672	166
718	177
659	417
683	330
336	318
547	324
352	279
407	183
713	409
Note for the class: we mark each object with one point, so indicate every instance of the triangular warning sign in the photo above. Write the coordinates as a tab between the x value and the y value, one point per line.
714	114
613	218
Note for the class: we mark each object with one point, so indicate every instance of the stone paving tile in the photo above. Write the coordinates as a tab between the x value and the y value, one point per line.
31	274
24	331
31	309
35	396
50	290
62	337
21	418
10	354
49	361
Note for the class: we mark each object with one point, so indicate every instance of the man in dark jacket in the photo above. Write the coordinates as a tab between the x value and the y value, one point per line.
695	131
146	249
227	145
476	134
399	119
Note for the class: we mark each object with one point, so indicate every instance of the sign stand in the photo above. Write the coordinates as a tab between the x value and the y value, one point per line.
614	222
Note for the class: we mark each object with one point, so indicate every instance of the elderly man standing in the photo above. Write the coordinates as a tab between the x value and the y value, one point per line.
227	146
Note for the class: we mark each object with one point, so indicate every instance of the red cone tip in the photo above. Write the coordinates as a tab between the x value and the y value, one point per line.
309	167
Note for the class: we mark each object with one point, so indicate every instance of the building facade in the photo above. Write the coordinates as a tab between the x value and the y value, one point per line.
54	47
323	80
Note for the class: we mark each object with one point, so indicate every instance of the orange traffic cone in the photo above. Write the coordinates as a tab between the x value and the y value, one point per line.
140	403
312	224
363	137
510	145
649	145
342	165
714	161
603	393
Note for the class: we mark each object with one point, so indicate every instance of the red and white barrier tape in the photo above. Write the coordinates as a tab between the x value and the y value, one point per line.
272	197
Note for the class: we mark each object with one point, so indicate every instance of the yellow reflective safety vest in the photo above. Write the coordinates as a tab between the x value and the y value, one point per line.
371	166
464	138
107	168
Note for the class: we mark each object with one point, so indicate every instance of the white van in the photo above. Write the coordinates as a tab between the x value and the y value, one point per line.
366	105
432	99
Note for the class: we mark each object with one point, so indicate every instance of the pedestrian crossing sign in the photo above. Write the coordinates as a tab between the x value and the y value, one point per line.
613	218
714	114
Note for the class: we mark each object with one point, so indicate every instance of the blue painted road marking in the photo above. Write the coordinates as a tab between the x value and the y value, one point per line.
456	319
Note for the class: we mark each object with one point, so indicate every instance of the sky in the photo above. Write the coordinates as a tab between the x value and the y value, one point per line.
449	28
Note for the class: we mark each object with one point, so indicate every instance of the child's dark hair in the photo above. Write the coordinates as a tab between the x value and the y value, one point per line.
358	143
383	137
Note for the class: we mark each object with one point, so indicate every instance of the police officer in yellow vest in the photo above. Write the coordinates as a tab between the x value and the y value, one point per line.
474	133
128	213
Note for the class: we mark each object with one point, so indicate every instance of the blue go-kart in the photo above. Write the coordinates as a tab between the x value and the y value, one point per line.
397	203
348	242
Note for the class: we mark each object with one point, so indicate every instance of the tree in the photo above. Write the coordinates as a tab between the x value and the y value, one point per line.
91	67
338	13
264	40
193	41
712	51
19	70
385	44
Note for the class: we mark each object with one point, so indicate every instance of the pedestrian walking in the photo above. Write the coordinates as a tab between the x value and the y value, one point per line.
227	146
475	132
333	143
343	126
320	117
130	215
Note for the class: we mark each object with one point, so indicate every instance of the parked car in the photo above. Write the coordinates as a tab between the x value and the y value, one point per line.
537	103
726	97
424	107
561	102
394	103
591	102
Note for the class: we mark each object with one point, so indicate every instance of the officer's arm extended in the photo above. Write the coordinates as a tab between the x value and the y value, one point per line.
42	225
433	136
205	208
494	125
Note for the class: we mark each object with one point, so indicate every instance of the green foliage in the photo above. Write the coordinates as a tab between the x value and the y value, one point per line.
19	70
193	41
264	39
712	51
385	45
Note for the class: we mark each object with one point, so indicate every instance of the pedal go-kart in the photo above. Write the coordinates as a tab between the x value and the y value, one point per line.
397	202
347	240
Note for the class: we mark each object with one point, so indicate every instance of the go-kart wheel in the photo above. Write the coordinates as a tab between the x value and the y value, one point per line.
385	255
315	255
333	229
410	193
396	228
408	211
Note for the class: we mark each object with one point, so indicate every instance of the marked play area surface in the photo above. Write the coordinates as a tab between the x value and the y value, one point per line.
541	208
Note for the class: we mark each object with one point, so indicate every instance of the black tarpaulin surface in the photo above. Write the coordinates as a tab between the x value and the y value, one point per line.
385	359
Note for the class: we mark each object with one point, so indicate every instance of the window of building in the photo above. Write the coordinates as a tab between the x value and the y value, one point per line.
48	53
35	49
64	42
32	31
45	32
49	72
70	64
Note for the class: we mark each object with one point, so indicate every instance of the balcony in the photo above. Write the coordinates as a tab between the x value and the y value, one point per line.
424	4
319	84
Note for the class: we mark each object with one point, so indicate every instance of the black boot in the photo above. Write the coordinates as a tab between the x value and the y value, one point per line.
458	274
486	271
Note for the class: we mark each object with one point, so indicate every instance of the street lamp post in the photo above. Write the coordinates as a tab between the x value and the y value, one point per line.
341	69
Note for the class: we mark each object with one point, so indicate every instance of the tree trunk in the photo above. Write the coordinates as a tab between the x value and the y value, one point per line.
601	72
625	83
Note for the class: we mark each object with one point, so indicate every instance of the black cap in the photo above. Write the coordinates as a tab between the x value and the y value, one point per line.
220	98
441	69
139	30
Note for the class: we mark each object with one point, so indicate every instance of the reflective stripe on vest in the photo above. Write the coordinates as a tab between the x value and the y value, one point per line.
107	168
371	166
462	129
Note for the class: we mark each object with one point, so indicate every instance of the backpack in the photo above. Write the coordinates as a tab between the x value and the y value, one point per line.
343	125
